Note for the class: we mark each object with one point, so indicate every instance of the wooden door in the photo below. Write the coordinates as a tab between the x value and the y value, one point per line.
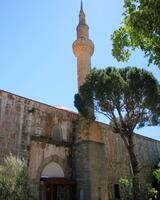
51	192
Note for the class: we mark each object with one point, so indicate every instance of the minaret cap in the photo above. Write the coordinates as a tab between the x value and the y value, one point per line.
81	10
82	19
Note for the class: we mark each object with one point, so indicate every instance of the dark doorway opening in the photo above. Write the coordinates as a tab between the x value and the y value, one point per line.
117	191
57	189
51	192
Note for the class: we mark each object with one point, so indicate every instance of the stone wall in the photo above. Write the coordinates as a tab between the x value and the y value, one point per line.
37	132
27	125
101	154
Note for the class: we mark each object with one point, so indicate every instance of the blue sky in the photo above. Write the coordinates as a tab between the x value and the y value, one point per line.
36	36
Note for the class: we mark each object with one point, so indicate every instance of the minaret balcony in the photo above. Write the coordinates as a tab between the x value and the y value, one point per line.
83	45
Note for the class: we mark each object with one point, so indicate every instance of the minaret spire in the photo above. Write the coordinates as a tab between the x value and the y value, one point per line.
81	5
82	19
83	48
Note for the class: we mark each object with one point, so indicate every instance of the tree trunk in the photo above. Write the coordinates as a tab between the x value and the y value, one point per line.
135	168
136	188
128	141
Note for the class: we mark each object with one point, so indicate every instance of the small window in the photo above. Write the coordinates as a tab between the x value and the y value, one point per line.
116	191
56	134
38	131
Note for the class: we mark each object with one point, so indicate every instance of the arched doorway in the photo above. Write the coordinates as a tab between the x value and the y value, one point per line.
52	170
53	184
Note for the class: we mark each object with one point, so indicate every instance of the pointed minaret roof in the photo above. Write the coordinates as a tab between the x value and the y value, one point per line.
82	19
81	10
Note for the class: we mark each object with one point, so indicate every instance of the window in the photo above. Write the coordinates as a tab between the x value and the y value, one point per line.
38	131
56	134
116	191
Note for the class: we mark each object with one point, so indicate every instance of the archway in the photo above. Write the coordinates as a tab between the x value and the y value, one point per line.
52	170
53	184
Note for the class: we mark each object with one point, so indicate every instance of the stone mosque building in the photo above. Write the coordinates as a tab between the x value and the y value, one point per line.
68	158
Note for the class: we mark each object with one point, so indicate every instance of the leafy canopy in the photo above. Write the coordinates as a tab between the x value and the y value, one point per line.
129	97
140	29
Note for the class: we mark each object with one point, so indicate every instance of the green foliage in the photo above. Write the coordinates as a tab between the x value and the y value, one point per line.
126	189
14	180
153	194
140	29
156	180
128	97
156	174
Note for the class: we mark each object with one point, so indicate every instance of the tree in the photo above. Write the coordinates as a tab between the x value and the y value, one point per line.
14	180
140	29
156	179
128	97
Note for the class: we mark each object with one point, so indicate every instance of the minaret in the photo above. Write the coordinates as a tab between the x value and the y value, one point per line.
83	48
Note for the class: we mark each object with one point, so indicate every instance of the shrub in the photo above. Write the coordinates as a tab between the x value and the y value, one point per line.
126	188
14	180
153	194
